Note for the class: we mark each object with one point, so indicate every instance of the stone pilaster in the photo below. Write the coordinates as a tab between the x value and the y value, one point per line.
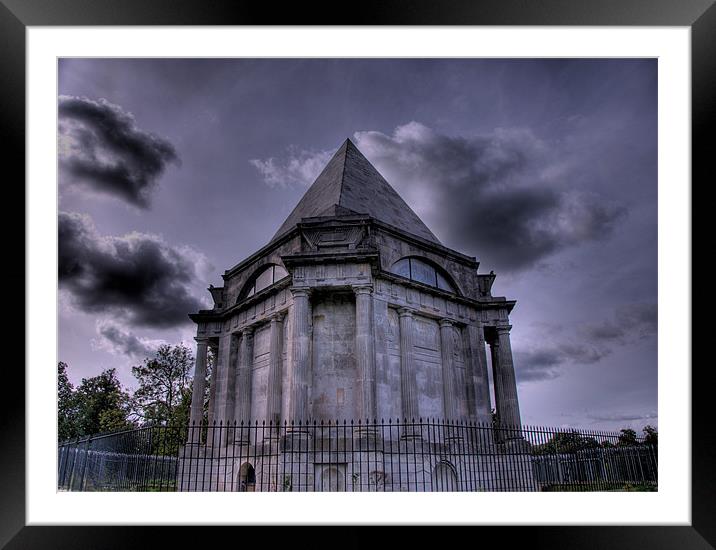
273	396
448	369
217	390
197	397
300	357
243	385
509	409
408	384
365	353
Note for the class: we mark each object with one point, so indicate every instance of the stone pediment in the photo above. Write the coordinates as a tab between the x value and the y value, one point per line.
333	237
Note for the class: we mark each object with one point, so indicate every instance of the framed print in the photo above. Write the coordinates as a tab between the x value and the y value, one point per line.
355	344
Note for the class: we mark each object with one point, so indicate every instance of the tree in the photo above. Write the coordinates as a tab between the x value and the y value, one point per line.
164	393
627	438
651	436
566	442
102	404
66	405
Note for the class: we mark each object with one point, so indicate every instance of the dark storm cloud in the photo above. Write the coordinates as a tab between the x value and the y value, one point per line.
137	277
632	322
502	194
102	149
545	363
120	341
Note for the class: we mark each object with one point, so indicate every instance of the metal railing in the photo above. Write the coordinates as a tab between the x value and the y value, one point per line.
393	455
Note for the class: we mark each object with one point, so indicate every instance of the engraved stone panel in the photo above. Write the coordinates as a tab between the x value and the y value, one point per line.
335	388
259	372
428	367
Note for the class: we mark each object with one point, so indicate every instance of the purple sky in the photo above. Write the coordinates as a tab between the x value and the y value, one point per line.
174	170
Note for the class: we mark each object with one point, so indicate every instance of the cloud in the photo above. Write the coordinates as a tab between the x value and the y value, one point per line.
504	196
622	417
547	362
631	322
589	345
300	168
103	150
138	277
119	341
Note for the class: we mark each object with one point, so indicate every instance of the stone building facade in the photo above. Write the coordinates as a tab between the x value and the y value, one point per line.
354	310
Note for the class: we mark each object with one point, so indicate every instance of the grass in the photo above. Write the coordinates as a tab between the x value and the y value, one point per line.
607	487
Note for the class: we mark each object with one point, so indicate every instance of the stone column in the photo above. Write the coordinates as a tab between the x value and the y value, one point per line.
497	382
365	353
273	395
216	391
448	369
242	390
509	409
408	384
481	380
226	416
228	355
213	382
300	357
197	396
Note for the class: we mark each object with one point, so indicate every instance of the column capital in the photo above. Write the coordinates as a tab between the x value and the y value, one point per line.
300	292
503	329
406	312
202	340
277	317
362	289
247	331
446	322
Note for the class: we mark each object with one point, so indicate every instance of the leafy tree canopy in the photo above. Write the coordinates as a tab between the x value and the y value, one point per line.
98	404
164	393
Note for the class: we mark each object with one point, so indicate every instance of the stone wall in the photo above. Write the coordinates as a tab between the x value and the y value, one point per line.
335	388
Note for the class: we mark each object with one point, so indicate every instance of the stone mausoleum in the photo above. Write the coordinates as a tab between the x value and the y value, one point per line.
353	310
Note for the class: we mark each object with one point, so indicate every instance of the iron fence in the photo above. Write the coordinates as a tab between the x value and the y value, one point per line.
393	455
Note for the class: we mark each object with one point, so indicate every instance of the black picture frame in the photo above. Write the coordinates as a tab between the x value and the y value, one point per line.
17	15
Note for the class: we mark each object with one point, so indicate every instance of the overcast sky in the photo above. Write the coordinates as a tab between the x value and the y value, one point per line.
172	171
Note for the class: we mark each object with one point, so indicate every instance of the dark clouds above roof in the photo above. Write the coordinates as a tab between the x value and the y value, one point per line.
503	196
589	344
137	277
103	150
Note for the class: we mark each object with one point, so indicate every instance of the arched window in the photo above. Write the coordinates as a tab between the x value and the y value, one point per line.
263	278
421	271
